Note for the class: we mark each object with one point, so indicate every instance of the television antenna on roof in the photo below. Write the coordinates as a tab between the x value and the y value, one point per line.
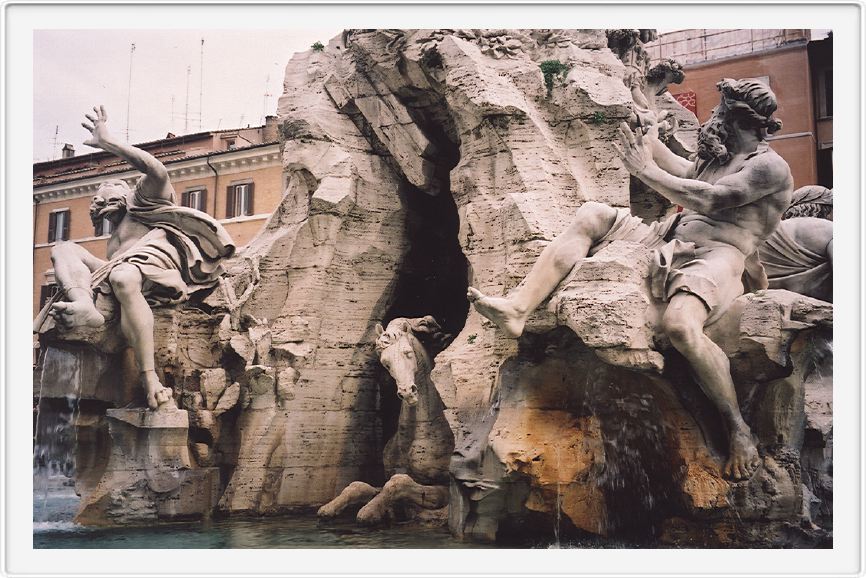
200	84
186	109
129	89
54	145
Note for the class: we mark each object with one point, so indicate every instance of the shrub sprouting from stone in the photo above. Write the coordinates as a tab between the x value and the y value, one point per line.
550	69
431	58
318	46
598	117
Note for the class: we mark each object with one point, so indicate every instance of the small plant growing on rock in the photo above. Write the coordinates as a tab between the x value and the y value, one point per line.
471	339
550	69
318	46
431	58
598	117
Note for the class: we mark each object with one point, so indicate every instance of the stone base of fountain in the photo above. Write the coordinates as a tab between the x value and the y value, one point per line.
599	429
148	476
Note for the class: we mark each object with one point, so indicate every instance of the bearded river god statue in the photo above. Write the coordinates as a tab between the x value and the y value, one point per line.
734	195
158	254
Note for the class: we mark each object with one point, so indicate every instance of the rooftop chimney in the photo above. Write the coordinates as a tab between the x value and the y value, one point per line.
68	151
270	132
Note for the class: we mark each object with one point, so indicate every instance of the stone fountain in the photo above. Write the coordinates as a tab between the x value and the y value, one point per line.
418	163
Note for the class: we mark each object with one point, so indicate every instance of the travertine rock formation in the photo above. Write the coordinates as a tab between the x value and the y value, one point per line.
418	162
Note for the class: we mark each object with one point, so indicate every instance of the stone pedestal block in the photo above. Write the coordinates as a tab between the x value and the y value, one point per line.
148	477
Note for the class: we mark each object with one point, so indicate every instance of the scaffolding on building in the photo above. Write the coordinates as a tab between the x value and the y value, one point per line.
701	45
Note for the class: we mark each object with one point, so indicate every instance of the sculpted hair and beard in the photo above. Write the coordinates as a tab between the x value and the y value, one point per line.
110	201
712	137
748	101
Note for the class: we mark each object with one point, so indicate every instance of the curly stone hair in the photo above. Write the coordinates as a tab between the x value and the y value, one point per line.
751	101
666	66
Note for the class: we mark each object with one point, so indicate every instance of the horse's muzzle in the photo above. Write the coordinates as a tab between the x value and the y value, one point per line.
410	396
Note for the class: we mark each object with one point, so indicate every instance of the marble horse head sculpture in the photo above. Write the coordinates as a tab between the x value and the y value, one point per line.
403	349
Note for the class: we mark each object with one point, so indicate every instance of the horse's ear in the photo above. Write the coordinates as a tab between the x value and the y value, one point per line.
379	329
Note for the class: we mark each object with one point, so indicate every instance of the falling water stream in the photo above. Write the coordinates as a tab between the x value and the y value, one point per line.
55	440
558	505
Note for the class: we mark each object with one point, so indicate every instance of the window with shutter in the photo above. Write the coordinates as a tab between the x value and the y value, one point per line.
52	227
194	199
239	200
58	226
249	203
230	202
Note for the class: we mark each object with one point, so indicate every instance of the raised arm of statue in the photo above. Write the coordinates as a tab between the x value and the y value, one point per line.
665	157
759	177
155	183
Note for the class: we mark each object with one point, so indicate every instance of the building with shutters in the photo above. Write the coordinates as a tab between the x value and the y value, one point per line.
798	65
234	175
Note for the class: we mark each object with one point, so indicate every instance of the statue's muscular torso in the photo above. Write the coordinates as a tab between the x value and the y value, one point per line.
745	226
129	231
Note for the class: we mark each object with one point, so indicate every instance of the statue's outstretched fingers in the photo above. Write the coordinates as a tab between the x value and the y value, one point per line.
102	114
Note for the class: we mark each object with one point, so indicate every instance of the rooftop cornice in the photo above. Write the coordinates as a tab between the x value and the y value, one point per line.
245	159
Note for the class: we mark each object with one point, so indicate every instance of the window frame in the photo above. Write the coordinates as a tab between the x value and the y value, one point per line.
202	198
247	208
63	235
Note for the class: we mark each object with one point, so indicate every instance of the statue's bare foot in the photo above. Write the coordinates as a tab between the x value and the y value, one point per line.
499	310
158	396
744	458
77	314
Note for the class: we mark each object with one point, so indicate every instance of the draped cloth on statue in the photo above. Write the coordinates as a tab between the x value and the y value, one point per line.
792	266
179	255
681	266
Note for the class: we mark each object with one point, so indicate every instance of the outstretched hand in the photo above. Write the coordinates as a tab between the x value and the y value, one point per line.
98	131
635	148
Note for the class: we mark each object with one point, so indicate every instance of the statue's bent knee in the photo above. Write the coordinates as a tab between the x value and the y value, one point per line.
125	278
681	330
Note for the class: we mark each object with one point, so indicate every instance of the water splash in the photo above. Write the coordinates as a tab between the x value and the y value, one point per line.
55	436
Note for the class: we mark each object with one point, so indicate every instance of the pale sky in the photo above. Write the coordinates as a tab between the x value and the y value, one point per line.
77	69
73	70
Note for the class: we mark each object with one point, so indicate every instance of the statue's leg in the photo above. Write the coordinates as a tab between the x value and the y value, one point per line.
352	495
401	488
136	323
72	268
591	223
683	322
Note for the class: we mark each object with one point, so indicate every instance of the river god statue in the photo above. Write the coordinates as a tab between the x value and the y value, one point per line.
158	254
733	195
